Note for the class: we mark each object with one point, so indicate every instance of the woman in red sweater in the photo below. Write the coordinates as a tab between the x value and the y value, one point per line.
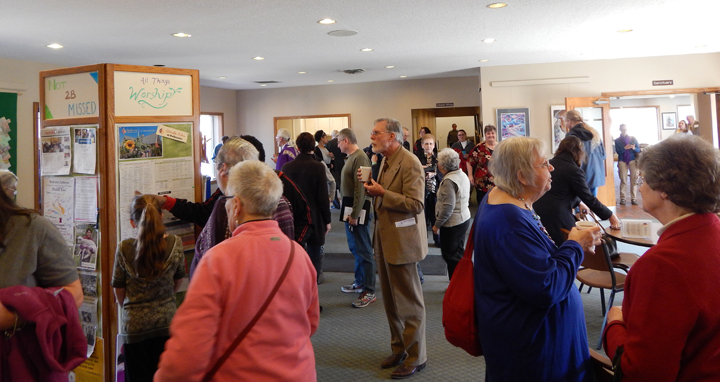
669	326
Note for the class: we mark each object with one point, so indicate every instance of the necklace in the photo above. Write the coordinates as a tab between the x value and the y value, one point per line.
537	217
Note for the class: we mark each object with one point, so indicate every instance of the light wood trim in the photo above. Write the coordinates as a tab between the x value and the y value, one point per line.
661	92
606	193
36	155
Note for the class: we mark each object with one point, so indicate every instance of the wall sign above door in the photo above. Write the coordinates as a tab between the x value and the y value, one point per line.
662	82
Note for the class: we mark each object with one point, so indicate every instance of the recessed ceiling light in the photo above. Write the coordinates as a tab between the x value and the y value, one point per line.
222	77
181	34
389	66
366	50
326	21
258	58
488	40
263	85
403	76
625	30
497	5
485	60
302	72
672	95
343	33
55	46
331	80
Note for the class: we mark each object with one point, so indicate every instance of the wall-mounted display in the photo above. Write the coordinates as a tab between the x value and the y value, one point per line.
152	94
71	96
557	121
669	121
512	123
8	131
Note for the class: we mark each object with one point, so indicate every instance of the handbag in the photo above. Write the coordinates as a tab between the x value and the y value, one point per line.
459	319
255	319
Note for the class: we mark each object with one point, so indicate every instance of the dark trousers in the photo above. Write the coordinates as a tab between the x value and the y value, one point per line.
452	244
430	201
142	358
316	254
480	195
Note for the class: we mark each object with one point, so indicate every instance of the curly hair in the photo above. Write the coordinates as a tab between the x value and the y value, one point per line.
687	169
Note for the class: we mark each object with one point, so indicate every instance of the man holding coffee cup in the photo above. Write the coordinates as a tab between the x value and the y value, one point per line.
358	235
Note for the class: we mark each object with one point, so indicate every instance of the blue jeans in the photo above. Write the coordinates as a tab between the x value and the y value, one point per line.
358	238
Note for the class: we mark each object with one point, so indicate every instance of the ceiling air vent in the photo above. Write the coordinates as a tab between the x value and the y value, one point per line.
267	82
353	71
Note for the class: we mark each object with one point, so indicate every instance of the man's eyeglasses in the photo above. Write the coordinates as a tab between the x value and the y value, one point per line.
376	133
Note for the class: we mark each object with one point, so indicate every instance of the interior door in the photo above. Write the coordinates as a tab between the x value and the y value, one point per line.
596	113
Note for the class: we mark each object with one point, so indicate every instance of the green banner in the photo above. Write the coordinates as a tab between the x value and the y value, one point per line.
8	131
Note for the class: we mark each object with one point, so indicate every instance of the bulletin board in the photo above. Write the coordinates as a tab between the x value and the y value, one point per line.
8	131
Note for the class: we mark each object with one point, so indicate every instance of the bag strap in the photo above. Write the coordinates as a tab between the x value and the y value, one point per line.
255	319
597	221
470	245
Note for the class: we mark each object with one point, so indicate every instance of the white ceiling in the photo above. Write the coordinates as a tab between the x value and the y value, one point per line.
421	38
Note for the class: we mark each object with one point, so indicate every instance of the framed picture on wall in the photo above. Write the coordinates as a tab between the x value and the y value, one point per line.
557	120
669	121
512	123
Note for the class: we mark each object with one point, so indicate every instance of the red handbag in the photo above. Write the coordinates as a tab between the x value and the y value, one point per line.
459	319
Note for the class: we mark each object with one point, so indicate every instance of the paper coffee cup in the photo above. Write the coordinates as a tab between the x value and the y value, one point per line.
365	172
585	224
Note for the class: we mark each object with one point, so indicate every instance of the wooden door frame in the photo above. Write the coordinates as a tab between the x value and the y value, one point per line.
276	119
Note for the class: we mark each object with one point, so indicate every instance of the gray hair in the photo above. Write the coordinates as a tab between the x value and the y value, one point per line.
257	186
511	156
7	178
687	169
349	134
283	133
236	150
393	126
448	159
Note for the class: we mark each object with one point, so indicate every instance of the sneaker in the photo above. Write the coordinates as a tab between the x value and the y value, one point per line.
634	202
353	288
365	299
622	201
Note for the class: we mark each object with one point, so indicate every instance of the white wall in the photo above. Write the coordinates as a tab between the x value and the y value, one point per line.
631	74
213	100
24	75
364	102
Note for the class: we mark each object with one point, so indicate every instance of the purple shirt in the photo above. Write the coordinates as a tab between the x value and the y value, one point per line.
287	154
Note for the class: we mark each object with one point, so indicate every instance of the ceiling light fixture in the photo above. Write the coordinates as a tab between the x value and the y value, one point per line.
326	21
302	72
497	5
389	67
488	40
331	81
403	76
484	60
55	46
366	50
258	58
343	33
625	30
181	34
263	85
222	77
672	95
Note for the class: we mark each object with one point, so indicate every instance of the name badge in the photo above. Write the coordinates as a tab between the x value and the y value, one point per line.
405	223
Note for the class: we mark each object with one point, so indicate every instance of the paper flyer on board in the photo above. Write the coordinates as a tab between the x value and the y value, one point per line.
86	199
56	152
86	250
89	321
84	149
58	204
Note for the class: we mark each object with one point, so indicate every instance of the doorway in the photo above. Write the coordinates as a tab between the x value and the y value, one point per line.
311	123
440	120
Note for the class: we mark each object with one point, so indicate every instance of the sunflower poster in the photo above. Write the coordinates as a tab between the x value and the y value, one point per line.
8	131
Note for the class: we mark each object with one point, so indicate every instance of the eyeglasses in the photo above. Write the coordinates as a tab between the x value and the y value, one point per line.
376	133
226	197
545	164
14	190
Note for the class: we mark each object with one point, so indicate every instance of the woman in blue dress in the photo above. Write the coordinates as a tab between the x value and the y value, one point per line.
530	315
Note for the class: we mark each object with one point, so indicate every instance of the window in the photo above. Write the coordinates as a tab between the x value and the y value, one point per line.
211	130
642	123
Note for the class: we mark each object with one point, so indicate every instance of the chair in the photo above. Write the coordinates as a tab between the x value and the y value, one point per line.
602	367
598	272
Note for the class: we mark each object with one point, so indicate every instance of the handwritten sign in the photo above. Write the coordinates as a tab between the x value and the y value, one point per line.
169	132
71	96
148	94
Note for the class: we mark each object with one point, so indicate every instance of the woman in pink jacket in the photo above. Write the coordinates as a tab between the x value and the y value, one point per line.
231	284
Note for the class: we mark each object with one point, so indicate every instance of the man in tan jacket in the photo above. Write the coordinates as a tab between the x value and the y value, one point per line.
400	242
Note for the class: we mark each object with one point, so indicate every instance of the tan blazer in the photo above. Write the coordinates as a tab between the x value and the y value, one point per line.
404	184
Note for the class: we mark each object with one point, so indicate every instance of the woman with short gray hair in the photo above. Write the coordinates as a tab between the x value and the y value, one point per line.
525	291
667	328
452	215
9	181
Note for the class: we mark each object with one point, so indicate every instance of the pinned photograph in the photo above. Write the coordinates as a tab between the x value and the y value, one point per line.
139	142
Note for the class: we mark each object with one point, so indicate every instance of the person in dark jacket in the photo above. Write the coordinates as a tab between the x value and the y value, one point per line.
594	163
569	189
309	175
337	164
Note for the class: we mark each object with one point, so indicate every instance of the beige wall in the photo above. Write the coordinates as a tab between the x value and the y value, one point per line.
213	100
632	74
24	75
364	102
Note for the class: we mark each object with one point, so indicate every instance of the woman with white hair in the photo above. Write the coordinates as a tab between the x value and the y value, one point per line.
530	315
286	151
8	181
594	164
232	284
452	215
